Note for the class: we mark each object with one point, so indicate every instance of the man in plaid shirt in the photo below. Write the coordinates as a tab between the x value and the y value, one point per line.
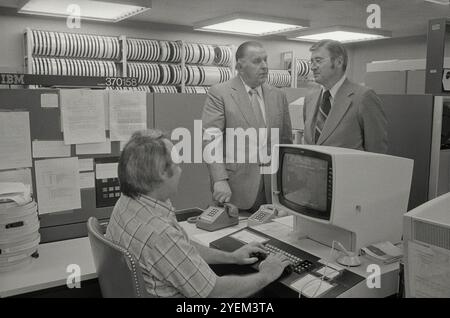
143	222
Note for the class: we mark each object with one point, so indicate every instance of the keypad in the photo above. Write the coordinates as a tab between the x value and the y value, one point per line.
260	216
299	265
110	189
108	192
213	212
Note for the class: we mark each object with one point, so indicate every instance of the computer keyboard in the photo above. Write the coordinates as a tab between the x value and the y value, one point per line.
298	265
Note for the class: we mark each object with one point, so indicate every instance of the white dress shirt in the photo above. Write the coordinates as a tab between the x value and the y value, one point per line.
334	90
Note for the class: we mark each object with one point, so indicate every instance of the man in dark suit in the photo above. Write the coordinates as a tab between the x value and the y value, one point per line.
244	103
341	113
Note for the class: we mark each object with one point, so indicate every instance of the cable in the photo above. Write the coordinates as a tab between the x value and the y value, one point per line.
324	273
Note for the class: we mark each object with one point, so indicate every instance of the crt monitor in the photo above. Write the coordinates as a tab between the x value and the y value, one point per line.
351	196
426	257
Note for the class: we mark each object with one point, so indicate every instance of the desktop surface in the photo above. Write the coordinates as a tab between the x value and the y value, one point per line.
281	229
306	264
50	269
53	267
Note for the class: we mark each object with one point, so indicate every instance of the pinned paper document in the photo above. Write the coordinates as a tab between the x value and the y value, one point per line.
50	148
83	116
94	148
106	170
15	140
57	184
86	164
49	100
127	114
87	180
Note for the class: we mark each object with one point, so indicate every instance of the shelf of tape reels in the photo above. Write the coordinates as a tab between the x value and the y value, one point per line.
19	234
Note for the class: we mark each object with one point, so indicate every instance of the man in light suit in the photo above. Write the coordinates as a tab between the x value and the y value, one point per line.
244	102
341	113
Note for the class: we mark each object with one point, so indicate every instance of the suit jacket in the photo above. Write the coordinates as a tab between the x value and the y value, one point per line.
228	106
356	119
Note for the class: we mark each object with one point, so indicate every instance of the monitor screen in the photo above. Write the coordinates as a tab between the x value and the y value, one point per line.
305	185
352	196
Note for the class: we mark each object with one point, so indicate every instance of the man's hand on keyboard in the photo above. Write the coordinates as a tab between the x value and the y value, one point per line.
248	254
273	266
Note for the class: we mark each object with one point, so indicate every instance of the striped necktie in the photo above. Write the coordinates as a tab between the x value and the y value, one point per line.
257	108
322	115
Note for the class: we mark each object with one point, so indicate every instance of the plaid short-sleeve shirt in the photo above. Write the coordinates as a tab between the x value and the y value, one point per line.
171	265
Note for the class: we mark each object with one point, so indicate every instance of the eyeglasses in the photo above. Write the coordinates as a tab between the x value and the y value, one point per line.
318	61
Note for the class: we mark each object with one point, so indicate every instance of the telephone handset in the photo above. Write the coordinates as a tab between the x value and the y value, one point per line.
218	217
265	213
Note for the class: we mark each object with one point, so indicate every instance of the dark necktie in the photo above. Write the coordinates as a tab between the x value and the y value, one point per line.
322	114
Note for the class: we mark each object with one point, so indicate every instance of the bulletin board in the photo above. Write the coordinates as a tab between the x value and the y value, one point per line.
45	124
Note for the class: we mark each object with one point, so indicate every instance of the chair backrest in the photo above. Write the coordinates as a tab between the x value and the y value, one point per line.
118	272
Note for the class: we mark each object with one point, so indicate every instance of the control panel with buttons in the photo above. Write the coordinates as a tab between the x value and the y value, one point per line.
107	190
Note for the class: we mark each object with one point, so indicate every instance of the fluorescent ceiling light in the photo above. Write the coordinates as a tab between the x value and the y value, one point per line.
443	2
340	33
250	24
106	10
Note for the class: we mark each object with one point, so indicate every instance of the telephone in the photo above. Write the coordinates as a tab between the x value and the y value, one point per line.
265	213
218	217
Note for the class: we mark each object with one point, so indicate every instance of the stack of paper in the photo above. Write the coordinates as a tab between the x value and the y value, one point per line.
15	191
19	234
384	252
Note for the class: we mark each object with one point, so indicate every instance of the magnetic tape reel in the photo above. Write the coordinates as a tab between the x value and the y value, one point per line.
19	236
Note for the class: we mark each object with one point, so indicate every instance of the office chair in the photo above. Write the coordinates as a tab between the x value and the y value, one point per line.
118	272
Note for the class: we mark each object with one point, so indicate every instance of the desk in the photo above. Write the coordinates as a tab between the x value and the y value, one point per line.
389	274
281	230
49	270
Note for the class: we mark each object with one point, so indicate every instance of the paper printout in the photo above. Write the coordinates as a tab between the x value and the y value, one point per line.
247	237
15	140
57	185
86	164
106	170
311	286
83	116
17	175
49	100
87	180
206	238
328	272
50	148
94	148
106	106
429	271
127	114
15	191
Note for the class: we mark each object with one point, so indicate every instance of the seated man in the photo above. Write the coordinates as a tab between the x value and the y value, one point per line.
143	222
